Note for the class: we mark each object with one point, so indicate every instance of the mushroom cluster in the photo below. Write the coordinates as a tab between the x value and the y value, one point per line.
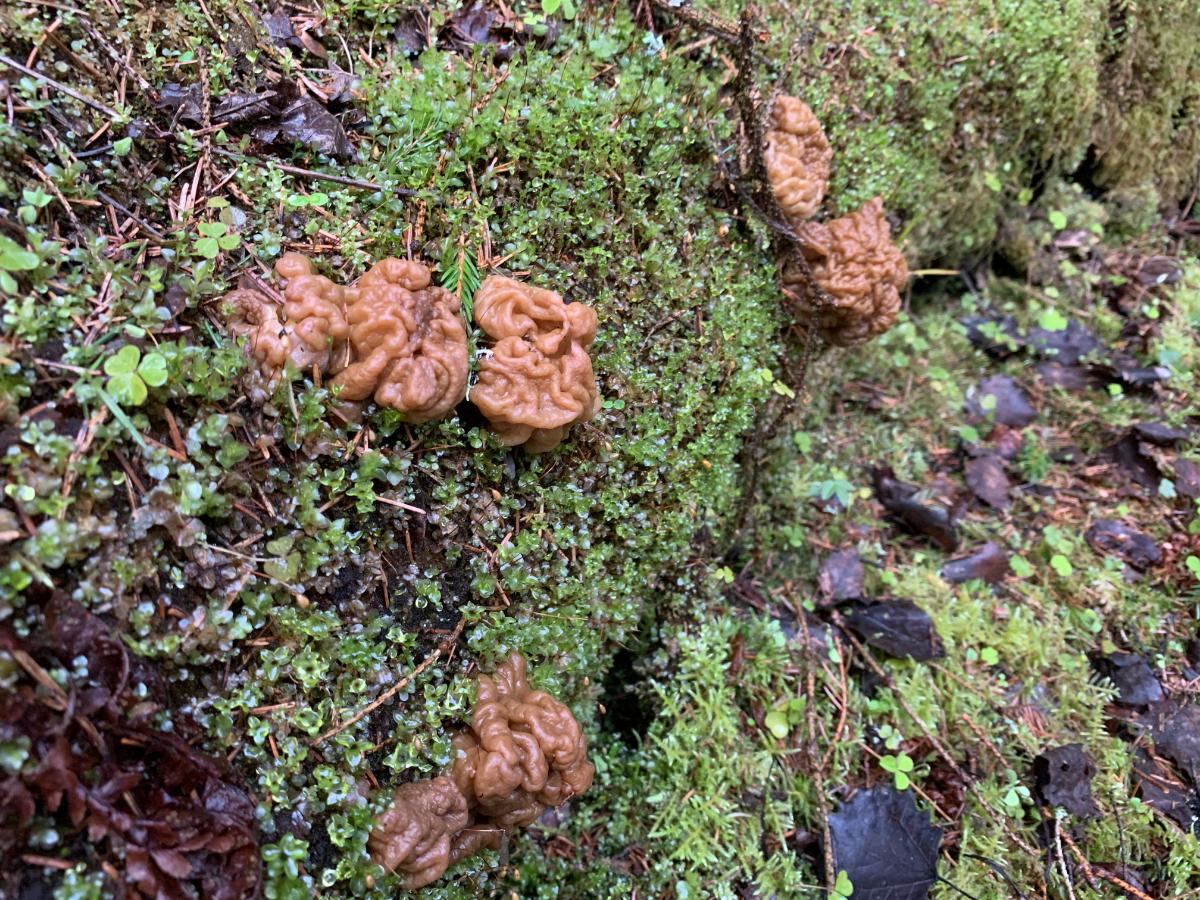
852	258
397	338
522	754
537	380
392	336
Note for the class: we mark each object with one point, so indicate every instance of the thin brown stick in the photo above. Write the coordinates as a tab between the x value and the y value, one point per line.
443	647
59	86
318	176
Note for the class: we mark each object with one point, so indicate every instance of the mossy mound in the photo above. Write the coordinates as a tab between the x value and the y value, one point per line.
954	111
259	556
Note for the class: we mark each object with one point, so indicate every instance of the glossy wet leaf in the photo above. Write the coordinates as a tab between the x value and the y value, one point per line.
989	563
123	362
897	627
885	844
987	479
153	369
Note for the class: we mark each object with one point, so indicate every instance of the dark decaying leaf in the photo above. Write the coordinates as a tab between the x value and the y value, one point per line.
897	627
885	844
1113	538
281	114
1158	785
1187	478
988	481
997	336
929	519
1175	728
279	29
1002	399
1126	454
989	563
1067	345
841	576
1132	676
194	832
1062	777
1161	434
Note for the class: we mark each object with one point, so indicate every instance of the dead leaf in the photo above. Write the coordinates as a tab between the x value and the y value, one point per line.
989	563
898	627
929	519
1063	777
1132	676
988	481
885	844
1001	399
1112	538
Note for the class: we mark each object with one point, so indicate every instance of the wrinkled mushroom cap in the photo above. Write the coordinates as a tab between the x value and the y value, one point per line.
413	836
538	380
316	312
269	343
797	157
407	340
524	751
854	260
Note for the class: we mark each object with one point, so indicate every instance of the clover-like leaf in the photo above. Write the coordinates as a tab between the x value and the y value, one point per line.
153	370
208	247
128	388
212	229
123	362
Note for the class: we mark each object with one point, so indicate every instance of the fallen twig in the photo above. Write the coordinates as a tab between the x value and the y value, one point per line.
59	86
444	647
319	176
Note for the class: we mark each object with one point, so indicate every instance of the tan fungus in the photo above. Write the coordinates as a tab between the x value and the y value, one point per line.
268	341
854	260
316	312
407	341
413	836
537	381
524	751
798	156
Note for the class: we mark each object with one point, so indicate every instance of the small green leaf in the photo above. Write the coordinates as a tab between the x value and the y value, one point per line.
1058	219
989	655
208	247
888	763
228	241
902	781
550	7
777	723
1052	320
843	887
153	370
1061	565
123	362
36	197
212	229
15	258
993	182
123	146
1020	566
127	388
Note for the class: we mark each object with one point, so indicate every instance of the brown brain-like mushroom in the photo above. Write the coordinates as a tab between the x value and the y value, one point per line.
537	381
407	340
414	835
524	751
316	312
854	260
797	155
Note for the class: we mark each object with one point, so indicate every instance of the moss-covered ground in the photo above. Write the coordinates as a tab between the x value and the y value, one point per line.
281	570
